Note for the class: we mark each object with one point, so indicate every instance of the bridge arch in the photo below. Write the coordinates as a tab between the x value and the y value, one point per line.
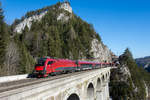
72	93
73	97
98	85
90	92
103	78
106	76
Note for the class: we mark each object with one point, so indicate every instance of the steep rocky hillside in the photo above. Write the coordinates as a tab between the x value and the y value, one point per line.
128	81
144	62
66	34
53	31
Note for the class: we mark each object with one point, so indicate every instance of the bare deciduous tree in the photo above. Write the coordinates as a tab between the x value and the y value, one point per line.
11	59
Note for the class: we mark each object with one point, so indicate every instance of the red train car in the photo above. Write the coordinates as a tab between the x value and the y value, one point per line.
84	65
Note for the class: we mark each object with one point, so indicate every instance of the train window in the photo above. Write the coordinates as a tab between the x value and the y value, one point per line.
41	62
50	62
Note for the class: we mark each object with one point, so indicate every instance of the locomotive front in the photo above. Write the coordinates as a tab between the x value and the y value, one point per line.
40	70
44	67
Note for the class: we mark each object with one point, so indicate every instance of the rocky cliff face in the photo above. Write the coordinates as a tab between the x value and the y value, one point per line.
28	22
100	51
128	81
123	85
66	6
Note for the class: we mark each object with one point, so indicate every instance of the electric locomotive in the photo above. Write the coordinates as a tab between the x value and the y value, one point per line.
48	66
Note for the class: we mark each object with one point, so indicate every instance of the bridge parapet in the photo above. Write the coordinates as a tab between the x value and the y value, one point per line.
88	85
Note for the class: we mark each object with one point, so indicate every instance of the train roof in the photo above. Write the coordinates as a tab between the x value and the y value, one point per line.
54	59
64	60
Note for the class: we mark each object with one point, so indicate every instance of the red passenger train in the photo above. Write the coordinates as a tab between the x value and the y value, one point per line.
48	66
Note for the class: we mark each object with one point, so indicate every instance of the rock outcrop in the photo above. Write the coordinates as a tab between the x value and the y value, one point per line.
66	6
100	51
28	22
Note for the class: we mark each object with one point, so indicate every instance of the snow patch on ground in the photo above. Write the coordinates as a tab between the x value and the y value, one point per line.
12	78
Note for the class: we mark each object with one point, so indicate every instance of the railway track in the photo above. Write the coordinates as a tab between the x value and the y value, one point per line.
4	87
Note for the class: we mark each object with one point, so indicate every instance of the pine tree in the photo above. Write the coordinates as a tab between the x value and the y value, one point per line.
128	53
126	56
54	42
136	74
3	38
26	60
2	33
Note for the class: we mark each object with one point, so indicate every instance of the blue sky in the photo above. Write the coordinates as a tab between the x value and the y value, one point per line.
120	23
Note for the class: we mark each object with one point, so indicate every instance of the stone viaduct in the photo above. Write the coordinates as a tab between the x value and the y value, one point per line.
89	85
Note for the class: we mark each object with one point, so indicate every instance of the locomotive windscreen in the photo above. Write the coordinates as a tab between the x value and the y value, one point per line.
41	62
50	62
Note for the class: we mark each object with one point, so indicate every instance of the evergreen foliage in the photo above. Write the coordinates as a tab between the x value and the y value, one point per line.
134	87
26	62
2	33
3	40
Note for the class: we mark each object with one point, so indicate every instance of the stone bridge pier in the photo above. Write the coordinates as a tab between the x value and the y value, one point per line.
89	85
